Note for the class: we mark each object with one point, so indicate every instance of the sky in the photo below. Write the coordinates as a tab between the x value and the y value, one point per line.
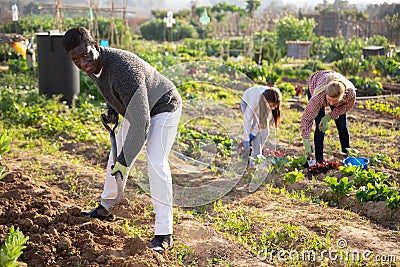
374	1
308	2
179	4
145	6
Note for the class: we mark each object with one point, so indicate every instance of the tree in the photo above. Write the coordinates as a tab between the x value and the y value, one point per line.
156	30
251	7
222	9
360	20
31	9
290	29
393	28
376	11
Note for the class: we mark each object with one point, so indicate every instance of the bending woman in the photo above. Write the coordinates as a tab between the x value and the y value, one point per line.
260	104
327	88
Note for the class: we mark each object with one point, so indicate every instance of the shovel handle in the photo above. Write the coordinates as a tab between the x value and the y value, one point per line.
113	140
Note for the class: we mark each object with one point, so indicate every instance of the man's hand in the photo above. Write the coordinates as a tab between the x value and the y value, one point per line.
112	115
307	146
324	123
118	167
252	137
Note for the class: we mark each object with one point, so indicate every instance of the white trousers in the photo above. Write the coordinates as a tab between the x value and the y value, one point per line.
260	138
258	142
161	136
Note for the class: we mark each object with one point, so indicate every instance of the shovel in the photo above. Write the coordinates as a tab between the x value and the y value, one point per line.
118	176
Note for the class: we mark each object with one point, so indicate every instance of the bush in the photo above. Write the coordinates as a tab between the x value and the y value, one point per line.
236	45
287	88
348	66
314	65
255	72
272	77
269	53
387	66
367	86
156	30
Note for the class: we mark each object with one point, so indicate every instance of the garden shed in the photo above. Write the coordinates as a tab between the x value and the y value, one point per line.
298	49
373	51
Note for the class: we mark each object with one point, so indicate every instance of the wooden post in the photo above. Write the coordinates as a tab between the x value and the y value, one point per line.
58	14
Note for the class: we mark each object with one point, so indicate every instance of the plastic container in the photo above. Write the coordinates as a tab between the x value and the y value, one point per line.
357	161
57	73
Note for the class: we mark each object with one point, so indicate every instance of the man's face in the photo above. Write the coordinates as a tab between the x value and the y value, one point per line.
86	58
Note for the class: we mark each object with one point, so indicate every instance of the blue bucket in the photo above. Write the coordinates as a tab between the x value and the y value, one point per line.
352	161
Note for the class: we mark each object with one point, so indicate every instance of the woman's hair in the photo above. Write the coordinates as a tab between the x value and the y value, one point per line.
270	95
335	87
75	37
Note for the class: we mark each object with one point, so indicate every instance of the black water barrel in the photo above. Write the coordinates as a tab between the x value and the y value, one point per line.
57	73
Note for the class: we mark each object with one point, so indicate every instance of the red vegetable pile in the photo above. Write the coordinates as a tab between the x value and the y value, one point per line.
324	167
270	153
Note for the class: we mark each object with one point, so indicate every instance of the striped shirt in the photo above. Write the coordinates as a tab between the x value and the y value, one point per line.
316	103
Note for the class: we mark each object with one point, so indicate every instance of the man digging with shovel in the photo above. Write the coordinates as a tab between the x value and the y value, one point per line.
151	107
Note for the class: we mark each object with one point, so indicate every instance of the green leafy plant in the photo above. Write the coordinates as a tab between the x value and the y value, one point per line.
5	142
314	65
287	88
296	162
352	152
385	160
349	170
387	66
223	142
232	220
381	107
375	192
364	177
393	202
348	66
272	77
293	176
367	86
2	173
269	53
12	248
343	187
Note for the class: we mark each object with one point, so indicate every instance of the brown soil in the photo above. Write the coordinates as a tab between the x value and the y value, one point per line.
59	236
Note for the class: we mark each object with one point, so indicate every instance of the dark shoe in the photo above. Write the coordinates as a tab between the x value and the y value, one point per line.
100	213
161	242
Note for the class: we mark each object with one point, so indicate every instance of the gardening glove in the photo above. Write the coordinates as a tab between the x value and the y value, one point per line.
112	115
246	145
118	167
324	123
252	137
307	146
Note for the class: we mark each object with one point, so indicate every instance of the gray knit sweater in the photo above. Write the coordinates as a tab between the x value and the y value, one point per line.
137	91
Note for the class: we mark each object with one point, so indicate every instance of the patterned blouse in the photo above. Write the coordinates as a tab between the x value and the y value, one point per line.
317	102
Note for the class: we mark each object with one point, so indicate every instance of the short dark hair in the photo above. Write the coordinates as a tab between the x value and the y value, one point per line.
75	37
